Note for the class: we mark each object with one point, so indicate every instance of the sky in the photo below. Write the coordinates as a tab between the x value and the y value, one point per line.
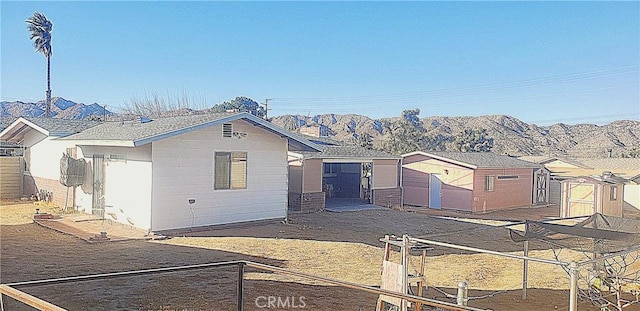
542	62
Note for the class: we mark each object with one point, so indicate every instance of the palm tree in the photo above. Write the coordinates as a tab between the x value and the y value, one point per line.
40	29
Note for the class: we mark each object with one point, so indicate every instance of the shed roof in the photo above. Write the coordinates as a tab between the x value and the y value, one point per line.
548	160
144	131
347	152
625	167
476	160
596	179
48	126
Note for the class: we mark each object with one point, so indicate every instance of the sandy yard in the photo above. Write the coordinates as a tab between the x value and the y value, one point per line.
344	246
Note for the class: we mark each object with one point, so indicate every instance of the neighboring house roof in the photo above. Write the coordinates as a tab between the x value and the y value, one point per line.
635	179
612	163
322	140
544	160
626	167
475	160
52	127
145	131
347	152
596	179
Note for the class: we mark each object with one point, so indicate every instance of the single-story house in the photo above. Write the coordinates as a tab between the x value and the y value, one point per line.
342	172
474	182
586	195
185	171
41	149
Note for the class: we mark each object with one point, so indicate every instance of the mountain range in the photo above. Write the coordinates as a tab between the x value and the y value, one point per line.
60	108
511	135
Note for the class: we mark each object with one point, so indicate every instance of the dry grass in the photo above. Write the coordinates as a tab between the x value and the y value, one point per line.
360	263
18	213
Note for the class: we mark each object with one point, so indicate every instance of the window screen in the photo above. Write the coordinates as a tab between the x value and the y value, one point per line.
489	183
230	170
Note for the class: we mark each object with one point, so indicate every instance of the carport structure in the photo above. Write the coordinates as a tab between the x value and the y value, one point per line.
348	174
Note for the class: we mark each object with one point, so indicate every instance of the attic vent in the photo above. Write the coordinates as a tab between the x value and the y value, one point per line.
227	130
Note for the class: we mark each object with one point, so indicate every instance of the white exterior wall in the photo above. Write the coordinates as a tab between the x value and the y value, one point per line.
183	169
45	154
127	184
632	195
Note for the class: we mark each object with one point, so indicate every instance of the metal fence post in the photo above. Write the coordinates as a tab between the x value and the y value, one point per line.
525	270
462	298
573	290
241	286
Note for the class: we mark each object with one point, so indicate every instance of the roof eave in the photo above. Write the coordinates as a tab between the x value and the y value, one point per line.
104	143
23	121
437	157
240	116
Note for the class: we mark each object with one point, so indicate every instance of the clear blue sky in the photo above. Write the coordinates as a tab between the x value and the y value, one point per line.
542	62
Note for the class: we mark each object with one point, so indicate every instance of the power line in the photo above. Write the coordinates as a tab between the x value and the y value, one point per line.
553	80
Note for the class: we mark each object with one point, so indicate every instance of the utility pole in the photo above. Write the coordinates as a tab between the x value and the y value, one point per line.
266	108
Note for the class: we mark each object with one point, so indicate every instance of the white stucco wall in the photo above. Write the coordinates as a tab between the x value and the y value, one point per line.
632	195
183	169
44	155
127	184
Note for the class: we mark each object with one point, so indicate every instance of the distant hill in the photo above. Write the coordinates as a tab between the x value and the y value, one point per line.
511	135
60	108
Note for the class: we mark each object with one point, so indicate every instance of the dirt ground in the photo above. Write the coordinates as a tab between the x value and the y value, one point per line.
344	246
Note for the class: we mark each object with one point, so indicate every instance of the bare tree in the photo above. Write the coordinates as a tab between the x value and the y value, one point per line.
153	105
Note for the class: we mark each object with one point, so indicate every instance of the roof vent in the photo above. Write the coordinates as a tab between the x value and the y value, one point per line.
144	120
227	130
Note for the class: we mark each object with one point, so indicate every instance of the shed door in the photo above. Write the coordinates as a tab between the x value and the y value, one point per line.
581	199
435	191
541	188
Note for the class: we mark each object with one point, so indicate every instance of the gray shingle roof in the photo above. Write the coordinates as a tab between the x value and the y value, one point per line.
53	127
545	159
348	152
486	160
61	127
612	163
137	130
135	133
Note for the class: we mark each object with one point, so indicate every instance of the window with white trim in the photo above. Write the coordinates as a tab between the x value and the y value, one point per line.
489	183
230	170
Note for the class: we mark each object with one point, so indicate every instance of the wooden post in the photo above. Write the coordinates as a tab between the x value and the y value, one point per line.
385	257
422	278
405	270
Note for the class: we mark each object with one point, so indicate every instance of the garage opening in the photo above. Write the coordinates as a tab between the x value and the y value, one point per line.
346	184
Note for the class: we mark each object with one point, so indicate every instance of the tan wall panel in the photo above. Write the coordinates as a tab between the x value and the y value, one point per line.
312	176
295	179
385	174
